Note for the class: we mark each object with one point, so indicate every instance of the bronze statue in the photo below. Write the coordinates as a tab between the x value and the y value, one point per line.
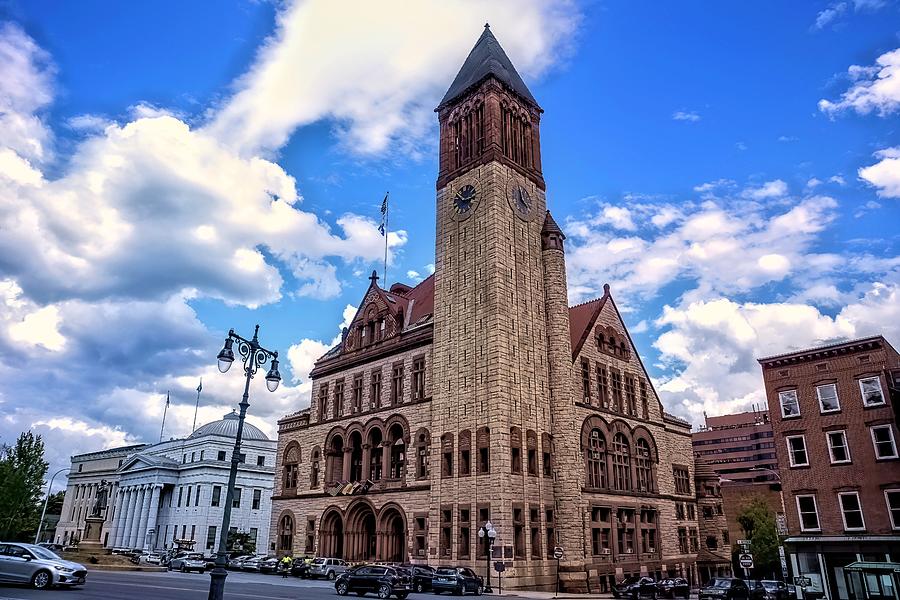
99	508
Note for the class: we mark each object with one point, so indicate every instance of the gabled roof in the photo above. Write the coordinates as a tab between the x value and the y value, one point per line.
149	460
487	58
550	226
582	318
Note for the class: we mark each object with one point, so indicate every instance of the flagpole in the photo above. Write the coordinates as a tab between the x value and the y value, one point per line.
386	211
197	407
165	409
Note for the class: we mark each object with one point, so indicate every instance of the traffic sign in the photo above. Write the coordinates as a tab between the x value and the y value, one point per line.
746	560
743	542
558	552
803	582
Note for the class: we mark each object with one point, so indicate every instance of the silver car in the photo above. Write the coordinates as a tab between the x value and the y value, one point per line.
39	567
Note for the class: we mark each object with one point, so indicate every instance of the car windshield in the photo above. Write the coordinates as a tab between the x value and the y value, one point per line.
720	583
770	585
446	571
630	580
44	553
319	561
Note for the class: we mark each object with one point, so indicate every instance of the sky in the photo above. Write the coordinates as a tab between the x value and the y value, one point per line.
170	170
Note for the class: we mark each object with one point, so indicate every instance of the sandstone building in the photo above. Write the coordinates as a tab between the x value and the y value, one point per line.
480	395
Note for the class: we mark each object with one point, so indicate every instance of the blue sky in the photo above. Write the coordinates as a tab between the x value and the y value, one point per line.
168	171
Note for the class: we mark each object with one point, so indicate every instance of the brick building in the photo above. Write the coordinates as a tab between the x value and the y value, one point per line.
714	552
833	412
480	395
738	447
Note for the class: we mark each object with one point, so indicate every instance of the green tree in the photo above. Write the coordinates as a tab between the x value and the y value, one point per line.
55	503
240	541
22	470
758	522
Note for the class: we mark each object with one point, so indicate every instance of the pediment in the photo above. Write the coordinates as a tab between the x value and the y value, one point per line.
139	462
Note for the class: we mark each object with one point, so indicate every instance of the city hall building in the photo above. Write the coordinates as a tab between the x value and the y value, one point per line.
479	395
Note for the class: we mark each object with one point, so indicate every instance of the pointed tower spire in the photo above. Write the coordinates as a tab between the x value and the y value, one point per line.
487	58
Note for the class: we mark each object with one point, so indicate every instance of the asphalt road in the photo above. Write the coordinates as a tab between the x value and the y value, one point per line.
133	585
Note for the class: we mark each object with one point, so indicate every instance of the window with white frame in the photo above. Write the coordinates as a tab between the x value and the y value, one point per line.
883	440
838	449
870	388
796	445
892	498
828	398
790	404
808	513
851	511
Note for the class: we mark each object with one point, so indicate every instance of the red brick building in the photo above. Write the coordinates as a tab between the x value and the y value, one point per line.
738	447
833	413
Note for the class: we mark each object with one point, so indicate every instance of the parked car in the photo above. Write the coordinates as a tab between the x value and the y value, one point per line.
636	587
725	588
269	564
328	568
422	576
152	558
673	587
55	548
458	580
38	567
252	563
384	581
236	562
188	562
768	589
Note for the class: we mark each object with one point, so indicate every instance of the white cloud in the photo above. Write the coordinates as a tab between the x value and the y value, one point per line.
829	15
788	138
684	115
770	189
714	185
837	179
741	146
875	89
380	72
813	183
39	328
885	174
712	345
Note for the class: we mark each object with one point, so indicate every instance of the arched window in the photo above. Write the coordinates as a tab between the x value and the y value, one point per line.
423	439
531	452
642	466
290	468
483	441
596	460
547	451
314	469
356	456
621	461
398	451
286	534
515	449
334	460
447	455
465	452
376	453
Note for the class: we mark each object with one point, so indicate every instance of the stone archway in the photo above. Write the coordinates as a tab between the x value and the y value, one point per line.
361	538
392	534
331	535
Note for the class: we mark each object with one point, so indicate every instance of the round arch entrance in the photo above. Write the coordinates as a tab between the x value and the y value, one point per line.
391	535
361	539
331	534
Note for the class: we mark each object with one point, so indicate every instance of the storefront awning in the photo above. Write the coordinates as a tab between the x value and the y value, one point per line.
873	567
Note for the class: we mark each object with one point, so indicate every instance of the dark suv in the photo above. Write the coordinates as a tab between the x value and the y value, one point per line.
674	587
768	589
725	588
384	581
636	587
421	576
458	580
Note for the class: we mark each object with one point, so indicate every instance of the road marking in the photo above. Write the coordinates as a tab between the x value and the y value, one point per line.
193	589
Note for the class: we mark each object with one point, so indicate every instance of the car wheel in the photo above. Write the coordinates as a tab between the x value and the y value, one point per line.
458	591
41	580
420	588
341	589
384	592
479	589
183	569
202	571
331	575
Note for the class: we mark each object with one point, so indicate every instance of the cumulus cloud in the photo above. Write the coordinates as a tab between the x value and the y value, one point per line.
380	73
685	115
885	174
770	189
875	89
829	15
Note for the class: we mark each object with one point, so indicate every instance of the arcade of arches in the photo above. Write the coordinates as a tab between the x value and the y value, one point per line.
362	533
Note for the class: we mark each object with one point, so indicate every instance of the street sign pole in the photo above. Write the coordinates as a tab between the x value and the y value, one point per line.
557	554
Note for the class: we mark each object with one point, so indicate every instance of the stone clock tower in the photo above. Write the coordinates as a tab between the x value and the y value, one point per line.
491	362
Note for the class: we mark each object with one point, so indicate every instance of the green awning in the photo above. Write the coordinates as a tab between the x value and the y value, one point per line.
873	567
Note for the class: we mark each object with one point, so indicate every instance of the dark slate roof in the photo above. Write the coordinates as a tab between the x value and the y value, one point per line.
550	226
487	58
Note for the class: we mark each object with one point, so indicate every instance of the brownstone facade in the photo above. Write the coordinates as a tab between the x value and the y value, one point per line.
833	413
479	395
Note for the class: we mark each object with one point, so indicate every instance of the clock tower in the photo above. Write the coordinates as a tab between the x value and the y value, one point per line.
492	393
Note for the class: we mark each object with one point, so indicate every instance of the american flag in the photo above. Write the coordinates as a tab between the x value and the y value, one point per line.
384	208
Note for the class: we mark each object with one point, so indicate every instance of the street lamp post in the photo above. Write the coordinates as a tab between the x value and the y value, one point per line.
487	532
37	536
254	356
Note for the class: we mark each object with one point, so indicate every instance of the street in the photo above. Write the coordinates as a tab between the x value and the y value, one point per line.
130	585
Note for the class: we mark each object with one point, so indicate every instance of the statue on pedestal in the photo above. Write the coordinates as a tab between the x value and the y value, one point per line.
99	508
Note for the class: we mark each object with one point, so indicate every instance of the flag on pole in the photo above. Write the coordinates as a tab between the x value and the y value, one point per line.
167	399
200	387
384	209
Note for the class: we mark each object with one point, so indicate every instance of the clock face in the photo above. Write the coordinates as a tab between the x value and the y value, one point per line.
464	198
521	200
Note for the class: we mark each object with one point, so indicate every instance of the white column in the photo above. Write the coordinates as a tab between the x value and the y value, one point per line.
145	515
134	540
127	517
154	510
112	516
121	510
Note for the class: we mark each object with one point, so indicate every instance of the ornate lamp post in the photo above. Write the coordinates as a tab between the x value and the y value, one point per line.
37	536
254	356
487	532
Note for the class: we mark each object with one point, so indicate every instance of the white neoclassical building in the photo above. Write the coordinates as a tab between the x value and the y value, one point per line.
174	490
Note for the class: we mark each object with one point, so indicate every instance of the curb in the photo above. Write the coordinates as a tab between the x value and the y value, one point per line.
124	568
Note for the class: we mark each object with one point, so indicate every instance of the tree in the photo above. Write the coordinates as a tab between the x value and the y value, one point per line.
22	471
758	522
240	541
55	503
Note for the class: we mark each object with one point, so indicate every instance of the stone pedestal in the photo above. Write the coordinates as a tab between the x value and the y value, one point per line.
93	527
